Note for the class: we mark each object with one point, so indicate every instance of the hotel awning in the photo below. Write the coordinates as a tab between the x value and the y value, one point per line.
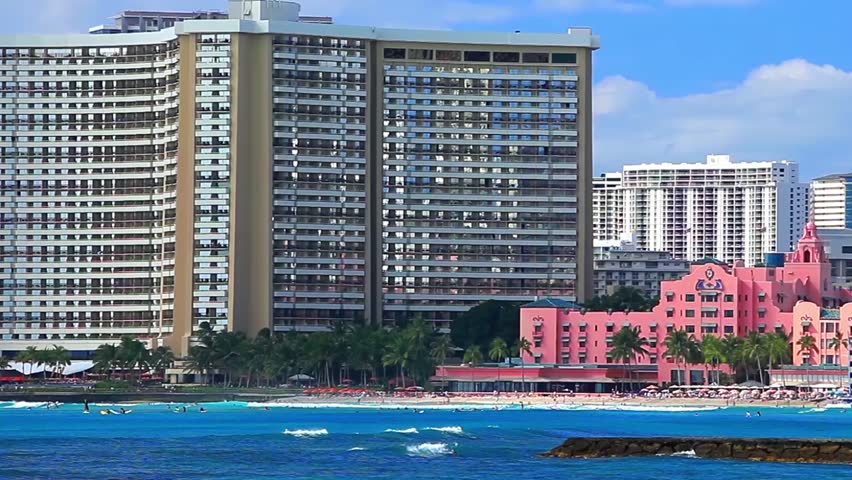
709	324
610	324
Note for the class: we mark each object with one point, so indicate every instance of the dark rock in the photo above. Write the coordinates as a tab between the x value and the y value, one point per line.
774	450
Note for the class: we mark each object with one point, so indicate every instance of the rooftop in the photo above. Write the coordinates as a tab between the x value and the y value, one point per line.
551	302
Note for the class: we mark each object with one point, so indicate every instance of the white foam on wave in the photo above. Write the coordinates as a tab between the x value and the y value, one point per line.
838	405
429	450
116	404
356	449
402	430
813	410
369	406
633	408
452	430
26	405
485	407
309	433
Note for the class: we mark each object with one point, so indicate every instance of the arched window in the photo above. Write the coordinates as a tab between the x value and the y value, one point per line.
807	256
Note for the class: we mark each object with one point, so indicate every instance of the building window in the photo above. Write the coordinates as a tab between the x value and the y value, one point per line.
538	359
537	342
690	329
448	55
690	297
653	328
761	314
609	328
690	313
533	57
729	314
669	313
565	58
729	298
420	54
477	56
566	342
395	53
507	57
537	328
729	329
565	328
582	328
669	297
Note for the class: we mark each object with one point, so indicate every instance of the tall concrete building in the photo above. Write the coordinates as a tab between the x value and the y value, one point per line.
608	208
622	263
831	201
261	171
720	209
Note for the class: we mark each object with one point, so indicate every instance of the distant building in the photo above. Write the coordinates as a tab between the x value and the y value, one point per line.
838	246
607	207
626	265
831	201
133	21
720	209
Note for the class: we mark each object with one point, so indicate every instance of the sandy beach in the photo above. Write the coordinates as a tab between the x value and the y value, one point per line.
512	400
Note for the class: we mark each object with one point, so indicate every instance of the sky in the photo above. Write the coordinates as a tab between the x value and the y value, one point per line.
674	79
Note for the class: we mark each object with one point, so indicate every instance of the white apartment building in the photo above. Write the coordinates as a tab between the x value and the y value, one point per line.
831	201
607	207
269	170
720	209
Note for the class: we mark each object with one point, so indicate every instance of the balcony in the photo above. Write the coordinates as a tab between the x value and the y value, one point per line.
538	334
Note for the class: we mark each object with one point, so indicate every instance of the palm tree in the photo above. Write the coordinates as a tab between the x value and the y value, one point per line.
679	345
807	345
732	351
441	348
713	350
43	357
60	358
472	357
753	349
28	356
835	344
161	359
778	349
4	363
523	346
106	358
627	345
498	352
396	354
132	354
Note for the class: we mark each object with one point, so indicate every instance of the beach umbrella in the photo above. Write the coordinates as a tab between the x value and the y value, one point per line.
300	377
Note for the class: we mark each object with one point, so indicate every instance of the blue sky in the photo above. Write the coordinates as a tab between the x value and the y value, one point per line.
675	79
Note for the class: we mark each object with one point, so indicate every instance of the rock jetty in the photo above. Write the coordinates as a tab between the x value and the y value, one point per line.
760	449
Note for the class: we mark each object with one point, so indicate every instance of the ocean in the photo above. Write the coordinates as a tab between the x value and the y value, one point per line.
236	440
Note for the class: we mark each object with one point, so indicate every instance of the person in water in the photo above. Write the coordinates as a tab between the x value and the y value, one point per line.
86	405
184	409
202	410
758	413
122	410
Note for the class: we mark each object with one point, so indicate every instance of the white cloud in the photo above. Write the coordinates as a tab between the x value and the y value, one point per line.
795	110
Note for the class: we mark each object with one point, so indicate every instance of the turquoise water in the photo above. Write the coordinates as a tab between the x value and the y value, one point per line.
235	441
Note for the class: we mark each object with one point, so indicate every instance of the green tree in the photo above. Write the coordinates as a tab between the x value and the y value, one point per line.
60	358
622	299
473	355
160	359
627	345
106	359
28	357
753	349
44	358
396	354
441	348
679	346
835	344
523	346
4	363
486	321
807	345
778	349
132	355
713	350
498	351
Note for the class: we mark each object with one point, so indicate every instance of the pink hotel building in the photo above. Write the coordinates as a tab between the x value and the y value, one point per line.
791	293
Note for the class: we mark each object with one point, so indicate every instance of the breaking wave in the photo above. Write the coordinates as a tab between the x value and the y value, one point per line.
429	450
310	433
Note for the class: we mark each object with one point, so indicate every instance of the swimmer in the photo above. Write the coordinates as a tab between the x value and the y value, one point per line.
748	414
758	413
122	410
202	410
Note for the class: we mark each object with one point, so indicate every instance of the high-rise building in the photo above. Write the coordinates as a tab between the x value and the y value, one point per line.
720	209
622	264
607	207
262	171
831	201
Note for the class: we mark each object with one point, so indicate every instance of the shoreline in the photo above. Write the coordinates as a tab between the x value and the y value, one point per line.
425	401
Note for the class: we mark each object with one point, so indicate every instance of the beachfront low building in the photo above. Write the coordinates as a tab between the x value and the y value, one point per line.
792	293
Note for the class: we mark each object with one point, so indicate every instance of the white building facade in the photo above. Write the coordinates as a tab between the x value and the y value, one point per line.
720	209
831	201
608	207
